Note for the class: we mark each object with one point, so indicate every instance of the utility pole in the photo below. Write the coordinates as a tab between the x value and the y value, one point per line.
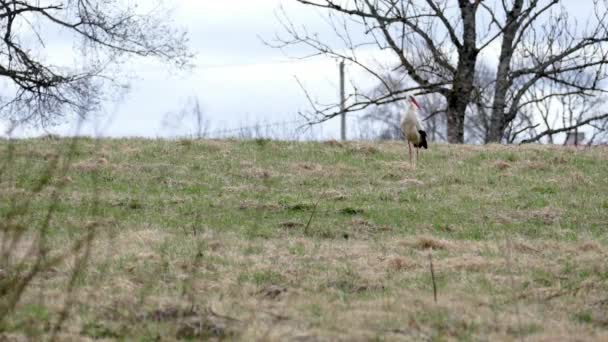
342	103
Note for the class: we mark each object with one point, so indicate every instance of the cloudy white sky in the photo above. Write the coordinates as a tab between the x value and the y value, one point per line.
237	79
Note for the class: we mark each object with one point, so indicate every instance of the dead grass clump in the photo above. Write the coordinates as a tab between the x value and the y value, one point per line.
220	142
360	225
535	165
333	143
51	136
502	165
478	148
86	166
245	205
246	163
361	222
102	161
351	211
547	215
470	263
243	188
272	291
561	160
578	178
428	242
524	247
307	166
391	176
452	179
90	165
398	263
353	286
364	149
590	246
257	172
291	225
196	324
399	167
334	195
411	181
136	242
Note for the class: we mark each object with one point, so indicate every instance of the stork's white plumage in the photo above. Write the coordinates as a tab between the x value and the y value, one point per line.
412	129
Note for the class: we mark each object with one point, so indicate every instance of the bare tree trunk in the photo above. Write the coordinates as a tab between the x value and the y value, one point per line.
464	78
455	126
503	83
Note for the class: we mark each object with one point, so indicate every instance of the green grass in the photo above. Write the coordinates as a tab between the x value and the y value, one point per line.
282	240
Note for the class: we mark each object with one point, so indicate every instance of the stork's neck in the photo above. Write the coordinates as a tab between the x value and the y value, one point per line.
410	114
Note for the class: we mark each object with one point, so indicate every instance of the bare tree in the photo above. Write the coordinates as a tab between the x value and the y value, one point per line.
437	44
548	114
106	33
434	107
545	53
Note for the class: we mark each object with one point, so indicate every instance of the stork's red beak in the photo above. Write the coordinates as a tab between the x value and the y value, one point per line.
413	100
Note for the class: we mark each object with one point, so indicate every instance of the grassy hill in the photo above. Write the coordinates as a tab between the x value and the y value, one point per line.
261	240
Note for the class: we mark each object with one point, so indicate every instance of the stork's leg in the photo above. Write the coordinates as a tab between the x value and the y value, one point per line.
417	148
410	149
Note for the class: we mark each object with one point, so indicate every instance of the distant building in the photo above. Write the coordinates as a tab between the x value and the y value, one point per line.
575	138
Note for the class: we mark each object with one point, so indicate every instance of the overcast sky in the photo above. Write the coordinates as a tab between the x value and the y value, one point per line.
237	79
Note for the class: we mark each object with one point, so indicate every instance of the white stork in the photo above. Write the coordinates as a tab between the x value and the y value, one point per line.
412	129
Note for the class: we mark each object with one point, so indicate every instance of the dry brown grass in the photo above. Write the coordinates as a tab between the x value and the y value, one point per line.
269	310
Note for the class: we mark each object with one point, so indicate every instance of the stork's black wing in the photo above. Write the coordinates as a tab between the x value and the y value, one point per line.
422	142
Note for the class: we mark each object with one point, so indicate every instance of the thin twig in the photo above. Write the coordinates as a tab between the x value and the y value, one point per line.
433	275
314	210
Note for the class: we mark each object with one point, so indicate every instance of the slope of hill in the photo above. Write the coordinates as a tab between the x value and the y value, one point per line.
302	241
